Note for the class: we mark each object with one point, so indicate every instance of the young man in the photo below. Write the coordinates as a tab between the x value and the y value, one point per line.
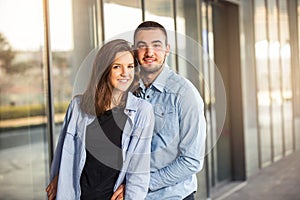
178	142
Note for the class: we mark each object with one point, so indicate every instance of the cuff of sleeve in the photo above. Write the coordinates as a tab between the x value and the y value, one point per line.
155	182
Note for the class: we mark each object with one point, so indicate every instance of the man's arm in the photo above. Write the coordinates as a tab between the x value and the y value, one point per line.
191	149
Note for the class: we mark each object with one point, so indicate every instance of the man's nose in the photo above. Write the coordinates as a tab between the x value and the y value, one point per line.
149	51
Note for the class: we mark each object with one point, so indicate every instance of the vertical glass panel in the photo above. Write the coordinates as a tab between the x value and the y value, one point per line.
298	14
209	98
23	147
189	57
74	34
189	49
121	17
206	97
285	55
61	27
162	12
275	78
262	74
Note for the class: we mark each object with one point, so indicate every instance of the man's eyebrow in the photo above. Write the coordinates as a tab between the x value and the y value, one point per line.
140	42
156	41
152	42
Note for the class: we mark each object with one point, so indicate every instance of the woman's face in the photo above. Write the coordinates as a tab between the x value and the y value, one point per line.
122	71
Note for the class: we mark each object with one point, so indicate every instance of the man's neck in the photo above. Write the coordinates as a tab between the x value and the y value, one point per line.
149	77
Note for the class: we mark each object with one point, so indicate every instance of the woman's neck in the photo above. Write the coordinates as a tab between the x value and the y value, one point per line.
116	99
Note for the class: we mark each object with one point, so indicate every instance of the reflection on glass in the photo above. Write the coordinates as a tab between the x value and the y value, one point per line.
23	152
262	74
209	98
126	16
285	56
62	46
275	80
273	66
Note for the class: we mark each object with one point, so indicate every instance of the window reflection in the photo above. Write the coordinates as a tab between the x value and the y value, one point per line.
285	55
273	68
262	74
123	20
23	151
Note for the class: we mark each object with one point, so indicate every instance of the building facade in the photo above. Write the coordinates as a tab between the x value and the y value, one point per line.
242	55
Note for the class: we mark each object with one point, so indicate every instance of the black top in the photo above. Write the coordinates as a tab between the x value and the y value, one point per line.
103	155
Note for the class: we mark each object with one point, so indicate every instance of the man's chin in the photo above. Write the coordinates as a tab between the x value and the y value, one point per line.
149	66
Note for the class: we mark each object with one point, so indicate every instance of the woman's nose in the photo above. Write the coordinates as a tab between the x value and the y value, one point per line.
124	71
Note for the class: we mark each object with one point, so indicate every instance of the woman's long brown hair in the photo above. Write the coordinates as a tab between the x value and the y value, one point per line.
98	95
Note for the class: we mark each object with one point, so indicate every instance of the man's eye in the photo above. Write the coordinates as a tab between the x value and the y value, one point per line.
157	46
142	46
130	66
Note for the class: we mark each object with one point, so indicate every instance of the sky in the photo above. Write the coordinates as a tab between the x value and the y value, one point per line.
21	22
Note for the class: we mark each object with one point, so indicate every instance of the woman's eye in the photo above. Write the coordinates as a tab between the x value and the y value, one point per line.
130	66
116	66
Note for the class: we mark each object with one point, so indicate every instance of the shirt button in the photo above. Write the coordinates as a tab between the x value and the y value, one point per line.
148	97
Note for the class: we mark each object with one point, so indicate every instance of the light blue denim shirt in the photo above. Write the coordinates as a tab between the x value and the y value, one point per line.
70	153
178	143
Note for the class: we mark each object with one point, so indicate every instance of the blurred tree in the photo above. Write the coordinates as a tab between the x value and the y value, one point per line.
6	54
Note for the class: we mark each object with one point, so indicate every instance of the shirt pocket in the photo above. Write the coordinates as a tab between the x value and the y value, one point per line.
163	114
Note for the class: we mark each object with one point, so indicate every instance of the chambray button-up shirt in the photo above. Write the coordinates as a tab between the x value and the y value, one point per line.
178	142
70	153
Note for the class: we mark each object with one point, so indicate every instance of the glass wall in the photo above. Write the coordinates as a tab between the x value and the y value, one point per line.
286	78
23	142
275	79
126	16
62	46
273	67
263	81
209	94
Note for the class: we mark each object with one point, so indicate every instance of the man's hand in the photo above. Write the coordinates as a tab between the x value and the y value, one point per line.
52	188
119	193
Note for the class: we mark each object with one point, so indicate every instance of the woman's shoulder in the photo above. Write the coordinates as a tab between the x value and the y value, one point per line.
138	101
75	102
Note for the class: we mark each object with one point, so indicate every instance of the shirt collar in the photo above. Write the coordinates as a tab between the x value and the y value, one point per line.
160	81
131	102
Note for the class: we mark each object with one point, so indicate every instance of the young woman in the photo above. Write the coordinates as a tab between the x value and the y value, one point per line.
106	135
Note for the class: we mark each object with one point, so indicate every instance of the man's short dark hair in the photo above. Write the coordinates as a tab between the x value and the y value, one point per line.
150	25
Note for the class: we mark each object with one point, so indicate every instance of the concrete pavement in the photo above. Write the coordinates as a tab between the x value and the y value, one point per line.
279	181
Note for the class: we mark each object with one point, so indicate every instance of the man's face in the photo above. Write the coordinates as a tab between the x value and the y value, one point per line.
151	50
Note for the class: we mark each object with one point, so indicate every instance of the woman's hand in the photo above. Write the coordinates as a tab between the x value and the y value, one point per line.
119	193
52	188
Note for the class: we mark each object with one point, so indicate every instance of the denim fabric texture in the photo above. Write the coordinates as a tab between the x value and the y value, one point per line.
70	153
178	143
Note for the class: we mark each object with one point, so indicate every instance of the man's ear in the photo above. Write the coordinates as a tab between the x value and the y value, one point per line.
168	49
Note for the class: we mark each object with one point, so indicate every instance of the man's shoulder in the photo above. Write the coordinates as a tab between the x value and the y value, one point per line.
177	82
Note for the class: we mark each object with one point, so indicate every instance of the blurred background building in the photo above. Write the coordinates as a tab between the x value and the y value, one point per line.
249	48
